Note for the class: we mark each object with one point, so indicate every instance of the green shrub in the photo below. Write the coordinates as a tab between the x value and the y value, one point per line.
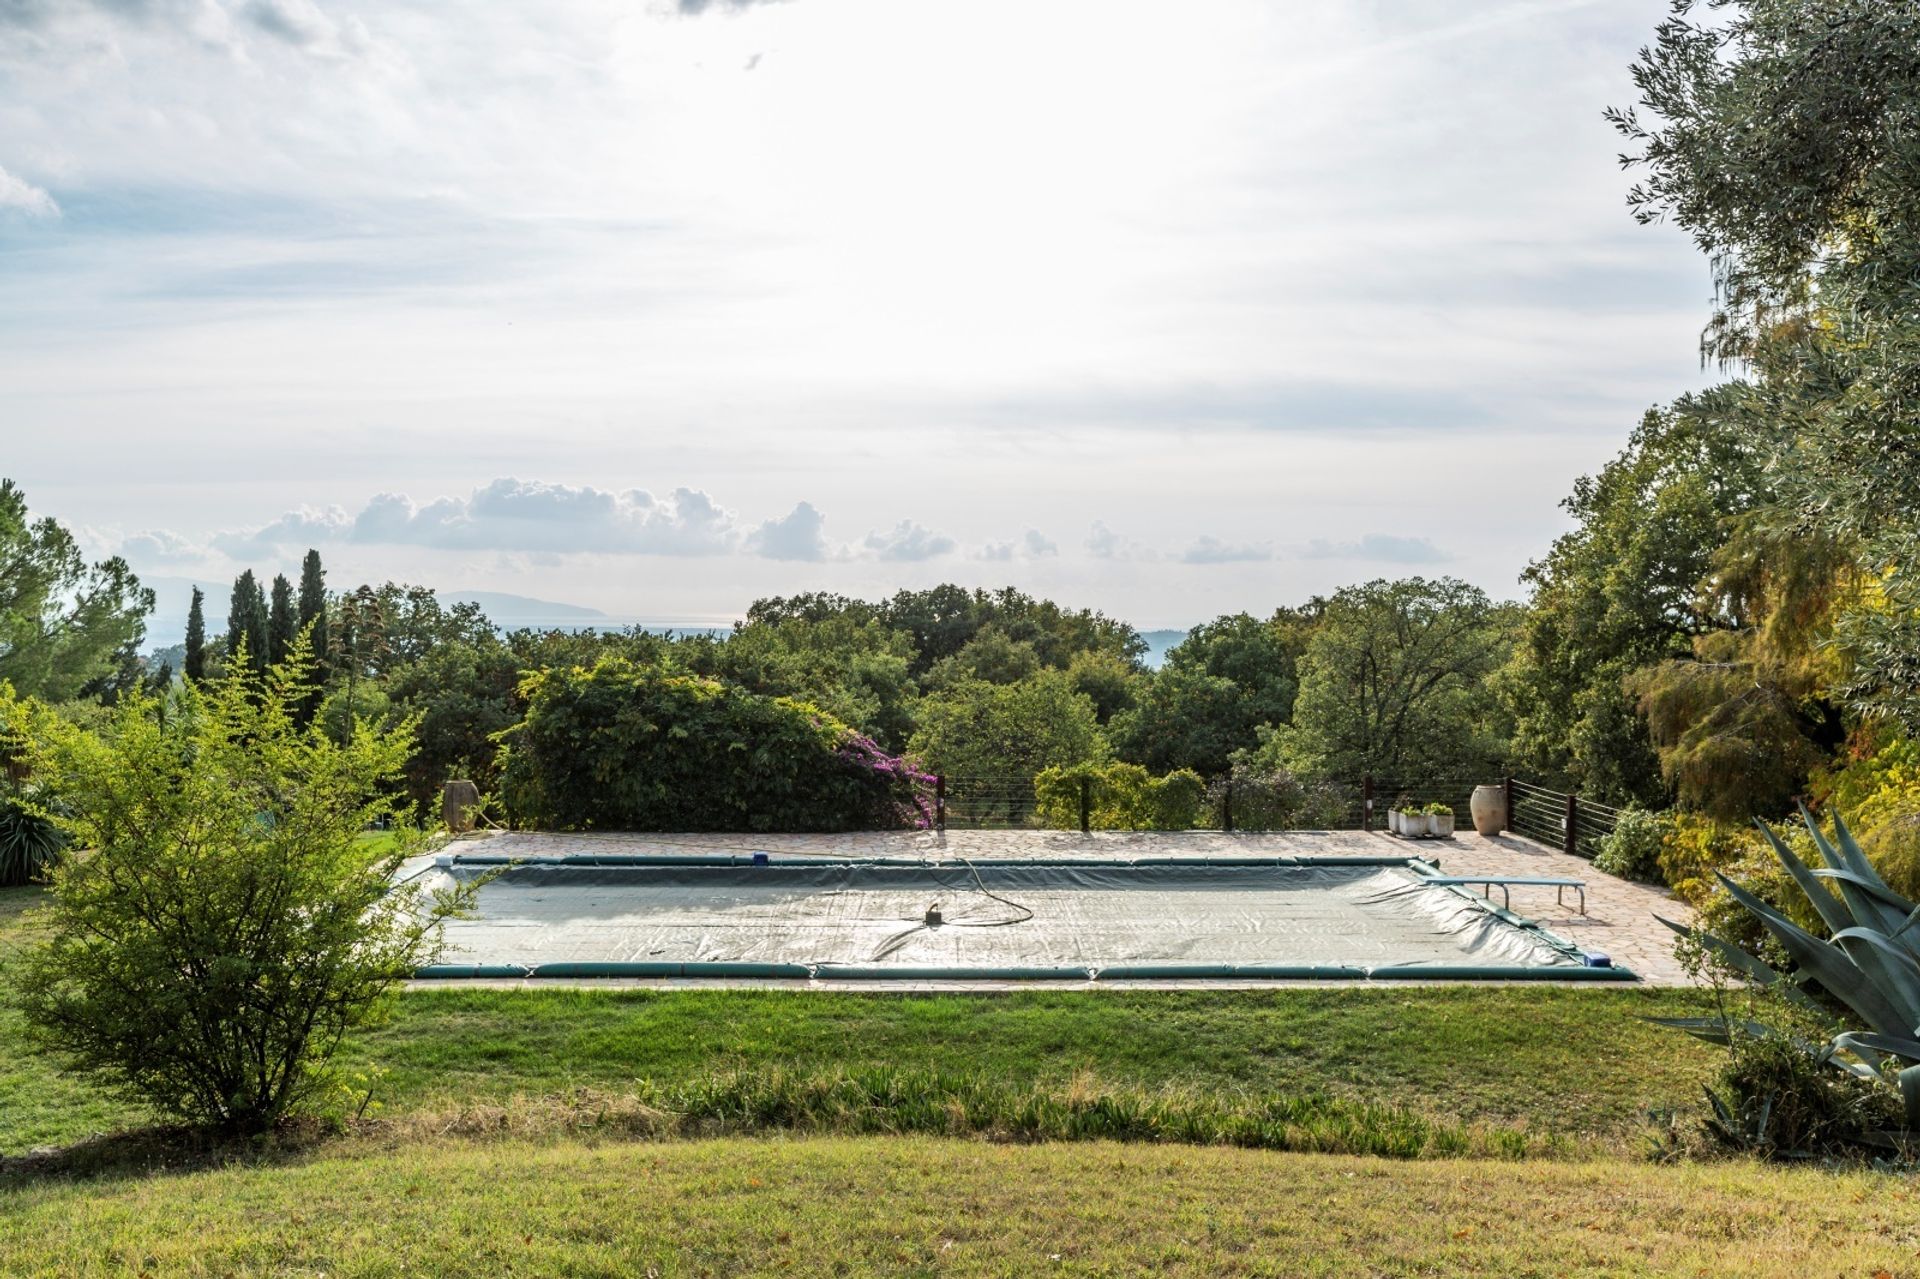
1777	1096
626	747
226	925
1119	797
1694	847
1894	849
1275	799
1632	849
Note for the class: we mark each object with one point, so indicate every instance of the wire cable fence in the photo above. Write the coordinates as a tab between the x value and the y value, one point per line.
1011	802
1227	803
1557	818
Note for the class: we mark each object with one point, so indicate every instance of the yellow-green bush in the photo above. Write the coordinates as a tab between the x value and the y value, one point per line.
1893	847
1695	846
1119	797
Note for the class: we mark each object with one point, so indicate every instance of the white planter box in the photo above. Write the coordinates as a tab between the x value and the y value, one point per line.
1440	825
1413	825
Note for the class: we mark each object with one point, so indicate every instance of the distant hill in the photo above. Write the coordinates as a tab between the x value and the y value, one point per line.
513	611
1158	642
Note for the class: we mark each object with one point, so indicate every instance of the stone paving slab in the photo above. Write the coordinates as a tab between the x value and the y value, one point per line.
1619	920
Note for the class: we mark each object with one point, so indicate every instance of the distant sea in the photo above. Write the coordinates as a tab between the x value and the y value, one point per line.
167	626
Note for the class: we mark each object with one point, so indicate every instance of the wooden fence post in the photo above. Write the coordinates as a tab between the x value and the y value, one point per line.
1086	805
1366	803
940	803
1226	805
1506	822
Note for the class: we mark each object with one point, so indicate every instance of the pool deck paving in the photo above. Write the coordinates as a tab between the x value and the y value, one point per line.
1619	921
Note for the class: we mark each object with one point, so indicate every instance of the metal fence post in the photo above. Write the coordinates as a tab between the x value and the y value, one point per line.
940	802
1507	821
1086	805
1573	826
1226	805
1366	802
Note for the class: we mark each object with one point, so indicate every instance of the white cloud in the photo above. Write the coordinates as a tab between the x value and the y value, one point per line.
907	542
18	193
1207	549
161	547
300	528
303	25
1033	545
1104	544
798	535
1379	547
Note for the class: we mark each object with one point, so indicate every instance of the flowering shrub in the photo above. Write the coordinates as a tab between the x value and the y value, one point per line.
625	747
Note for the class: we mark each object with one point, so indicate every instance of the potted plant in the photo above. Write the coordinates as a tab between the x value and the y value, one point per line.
1439	820
1408	821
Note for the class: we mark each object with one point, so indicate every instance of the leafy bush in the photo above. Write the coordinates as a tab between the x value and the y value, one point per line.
1778	1096
1894	849
226	926
1120	797
1694	848
1632	849
626	747
1274	799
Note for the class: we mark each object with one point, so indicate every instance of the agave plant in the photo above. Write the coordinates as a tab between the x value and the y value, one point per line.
29	841
1870	963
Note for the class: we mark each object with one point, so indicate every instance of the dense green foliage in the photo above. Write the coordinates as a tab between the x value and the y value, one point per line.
626	747
66	626
1007	733
225	926
1393	682
1118	796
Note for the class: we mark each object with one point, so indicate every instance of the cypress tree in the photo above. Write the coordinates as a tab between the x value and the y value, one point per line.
313	620
313	605
247	620
196	663
280	624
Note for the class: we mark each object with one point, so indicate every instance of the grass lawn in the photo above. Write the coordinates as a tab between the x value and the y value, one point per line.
917	1206
513	1139
1578	1064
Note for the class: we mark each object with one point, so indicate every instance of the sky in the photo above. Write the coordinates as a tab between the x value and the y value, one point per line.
659	306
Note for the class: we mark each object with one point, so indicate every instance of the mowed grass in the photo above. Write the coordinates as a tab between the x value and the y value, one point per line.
1579	1063
920	1206
1581	1066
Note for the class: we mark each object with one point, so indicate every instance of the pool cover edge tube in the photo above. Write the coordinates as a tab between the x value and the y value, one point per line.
741	970
799	861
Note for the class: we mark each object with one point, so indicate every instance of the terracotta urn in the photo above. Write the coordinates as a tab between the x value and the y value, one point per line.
1489	809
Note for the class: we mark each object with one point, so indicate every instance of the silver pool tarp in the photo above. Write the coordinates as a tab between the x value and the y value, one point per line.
999	918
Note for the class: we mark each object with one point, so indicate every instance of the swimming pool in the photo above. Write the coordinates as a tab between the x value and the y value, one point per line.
1071	919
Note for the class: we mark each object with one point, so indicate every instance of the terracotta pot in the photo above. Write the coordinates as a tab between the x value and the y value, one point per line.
1489	809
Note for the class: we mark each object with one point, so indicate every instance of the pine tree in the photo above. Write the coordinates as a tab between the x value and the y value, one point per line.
196	663
280	623
247	620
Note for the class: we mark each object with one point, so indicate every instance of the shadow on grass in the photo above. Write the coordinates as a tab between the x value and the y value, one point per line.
873	1102
165	1149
